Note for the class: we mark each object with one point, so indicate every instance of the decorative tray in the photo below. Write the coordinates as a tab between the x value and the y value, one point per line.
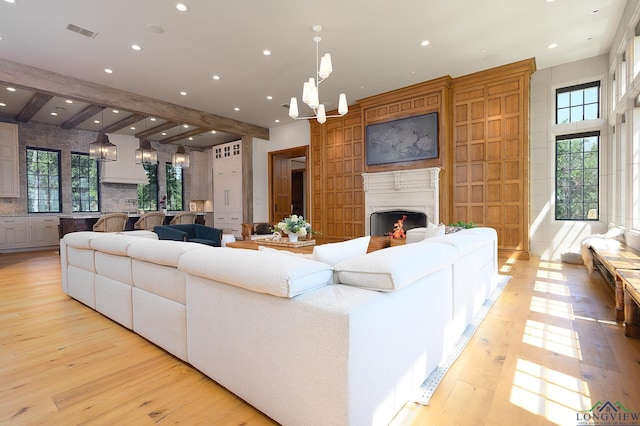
285	242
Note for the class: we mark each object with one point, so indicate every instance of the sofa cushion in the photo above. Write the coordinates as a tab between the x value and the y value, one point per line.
258	271
82	239
113	244
161	252
395	267
333	253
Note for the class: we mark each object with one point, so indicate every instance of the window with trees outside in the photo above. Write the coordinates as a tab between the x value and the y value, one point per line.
578	103
148	194
85	195
577	169
43	181
175	188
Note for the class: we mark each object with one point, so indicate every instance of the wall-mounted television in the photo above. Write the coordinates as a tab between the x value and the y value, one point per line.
407	139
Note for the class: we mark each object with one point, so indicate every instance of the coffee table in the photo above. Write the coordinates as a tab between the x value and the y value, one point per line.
376	243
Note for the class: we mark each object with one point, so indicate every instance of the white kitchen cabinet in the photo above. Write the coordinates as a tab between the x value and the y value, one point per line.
44	231
9	178
15	232
227	187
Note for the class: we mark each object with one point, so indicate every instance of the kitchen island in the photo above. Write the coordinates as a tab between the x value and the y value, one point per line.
85	222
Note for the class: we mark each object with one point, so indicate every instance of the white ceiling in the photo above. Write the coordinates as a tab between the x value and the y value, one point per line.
374	45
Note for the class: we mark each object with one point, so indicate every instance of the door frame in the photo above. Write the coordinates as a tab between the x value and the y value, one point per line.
299	151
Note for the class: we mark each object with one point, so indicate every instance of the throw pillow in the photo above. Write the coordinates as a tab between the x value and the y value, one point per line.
333	253
263	228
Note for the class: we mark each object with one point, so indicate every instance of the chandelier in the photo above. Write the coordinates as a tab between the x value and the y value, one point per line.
180	160
310	90
146	154
102	149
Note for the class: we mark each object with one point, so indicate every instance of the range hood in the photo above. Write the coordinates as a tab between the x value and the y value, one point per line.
125	169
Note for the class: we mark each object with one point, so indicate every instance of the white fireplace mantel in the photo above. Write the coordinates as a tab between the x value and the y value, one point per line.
411	190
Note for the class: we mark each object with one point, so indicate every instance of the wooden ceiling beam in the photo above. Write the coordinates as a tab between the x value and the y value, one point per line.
127	121
156	129
184	135
35	104
51	83
83	115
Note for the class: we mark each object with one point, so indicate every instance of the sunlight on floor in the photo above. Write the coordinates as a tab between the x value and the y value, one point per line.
549	393
551	275
555	308
550	288
507	265
552	338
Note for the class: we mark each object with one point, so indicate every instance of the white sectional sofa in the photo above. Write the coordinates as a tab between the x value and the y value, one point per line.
306	342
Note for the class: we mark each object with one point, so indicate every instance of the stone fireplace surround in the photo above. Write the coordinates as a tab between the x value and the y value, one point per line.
415	190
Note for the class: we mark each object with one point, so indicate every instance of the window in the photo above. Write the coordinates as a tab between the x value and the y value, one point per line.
43	181
84	183
578	103
175	189
148	194
577	176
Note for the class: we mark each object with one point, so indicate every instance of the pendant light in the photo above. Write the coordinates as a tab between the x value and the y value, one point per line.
180	159
102	149
146	154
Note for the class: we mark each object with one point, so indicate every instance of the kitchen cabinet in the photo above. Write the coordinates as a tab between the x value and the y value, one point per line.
9	177
14	232
44	231
227	187
198	174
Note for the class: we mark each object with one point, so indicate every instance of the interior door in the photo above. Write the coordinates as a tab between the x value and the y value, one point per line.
281	179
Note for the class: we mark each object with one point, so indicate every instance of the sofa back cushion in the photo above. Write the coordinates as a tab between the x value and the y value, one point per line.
395	267
162	252
258	271
333	253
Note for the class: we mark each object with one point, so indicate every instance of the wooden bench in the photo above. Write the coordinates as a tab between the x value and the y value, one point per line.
620	267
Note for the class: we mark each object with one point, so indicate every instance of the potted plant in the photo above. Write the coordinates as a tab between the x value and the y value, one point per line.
294	226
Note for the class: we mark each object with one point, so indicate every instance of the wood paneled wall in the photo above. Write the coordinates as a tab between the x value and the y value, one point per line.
490	185
483	153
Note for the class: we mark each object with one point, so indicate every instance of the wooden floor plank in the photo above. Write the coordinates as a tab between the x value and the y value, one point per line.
548	347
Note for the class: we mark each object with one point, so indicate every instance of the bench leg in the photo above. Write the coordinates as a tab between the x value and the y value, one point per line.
631	317
619	299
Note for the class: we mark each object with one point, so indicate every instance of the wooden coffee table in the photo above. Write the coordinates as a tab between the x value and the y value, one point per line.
376	243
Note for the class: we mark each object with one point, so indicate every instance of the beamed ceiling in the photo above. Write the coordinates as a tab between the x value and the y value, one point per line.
52	52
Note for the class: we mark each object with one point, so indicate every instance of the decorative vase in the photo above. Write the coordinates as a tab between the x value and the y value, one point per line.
293	237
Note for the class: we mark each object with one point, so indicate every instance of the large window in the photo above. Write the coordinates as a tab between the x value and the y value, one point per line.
175	188
578	103
84	183
148	194
577	169
43	181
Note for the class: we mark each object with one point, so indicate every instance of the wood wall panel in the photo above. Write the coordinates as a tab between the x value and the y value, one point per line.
492	106
483	153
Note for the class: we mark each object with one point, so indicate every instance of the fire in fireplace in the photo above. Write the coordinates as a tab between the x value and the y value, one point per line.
382	222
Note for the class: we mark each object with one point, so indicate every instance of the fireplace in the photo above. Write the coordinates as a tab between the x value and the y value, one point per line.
415	191
382	221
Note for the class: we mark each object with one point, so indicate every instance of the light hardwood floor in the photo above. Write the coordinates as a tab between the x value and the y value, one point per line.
547	349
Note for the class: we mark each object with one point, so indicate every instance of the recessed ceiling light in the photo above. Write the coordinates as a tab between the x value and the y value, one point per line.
182	7
164	133
216	77
11	89
96	121
0	37
190	138
132	128
186	126
69	101
12	1
54	113
266	52
136	47
425	43
269	97
552	46
2	104
108	70
115	111
213	132
183	93
277	121
152	119
236	109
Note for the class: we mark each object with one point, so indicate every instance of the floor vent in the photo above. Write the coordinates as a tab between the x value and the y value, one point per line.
82	31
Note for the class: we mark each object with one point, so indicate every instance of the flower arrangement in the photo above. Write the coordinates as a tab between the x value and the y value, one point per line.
294	224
